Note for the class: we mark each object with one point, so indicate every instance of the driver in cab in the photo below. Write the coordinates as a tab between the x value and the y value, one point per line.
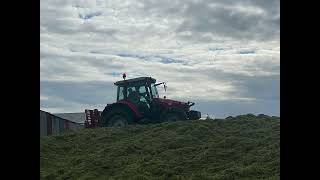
133	96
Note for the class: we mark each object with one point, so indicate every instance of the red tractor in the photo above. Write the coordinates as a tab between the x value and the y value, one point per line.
138	102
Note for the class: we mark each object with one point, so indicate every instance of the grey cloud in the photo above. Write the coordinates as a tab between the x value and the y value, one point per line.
221	19
162	59
222	109
171	40
94	92
260	88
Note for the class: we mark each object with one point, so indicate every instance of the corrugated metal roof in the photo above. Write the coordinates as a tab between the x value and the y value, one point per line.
58	116
75	117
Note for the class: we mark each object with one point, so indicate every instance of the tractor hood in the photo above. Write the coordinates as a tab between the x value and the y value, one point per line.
173	103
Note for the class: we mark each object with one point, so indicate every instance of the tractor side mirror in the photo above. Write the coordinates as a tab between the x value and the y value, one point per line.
165	87
164	97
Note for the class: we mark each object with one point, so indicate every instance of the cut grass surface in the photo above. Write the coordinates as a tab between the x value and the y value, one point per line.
242	147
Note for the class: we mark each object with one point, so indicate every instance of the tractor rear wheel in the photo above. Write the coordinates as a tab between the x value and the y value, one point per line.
117	118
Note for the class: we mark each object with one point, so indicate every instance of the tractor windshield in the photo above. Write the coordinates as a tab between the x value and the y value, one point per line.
154	91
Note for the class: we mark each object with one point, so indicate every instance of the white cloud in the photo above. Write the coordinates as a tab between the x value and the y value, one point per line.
85	41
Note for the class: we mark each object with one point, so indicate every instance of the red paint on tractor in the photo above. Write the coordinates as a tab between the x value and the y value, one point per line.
133	107
170	103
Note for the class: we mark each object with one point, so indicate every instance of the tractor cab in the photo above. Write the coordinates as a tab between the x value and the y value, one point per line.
141	89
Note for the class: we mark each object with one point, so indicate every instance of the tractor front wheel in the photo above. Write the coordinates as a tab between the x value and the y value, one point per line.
170	117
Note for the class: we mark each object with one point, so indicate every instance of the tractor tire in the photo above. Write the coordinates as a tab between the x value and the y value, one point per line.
174	116
117	118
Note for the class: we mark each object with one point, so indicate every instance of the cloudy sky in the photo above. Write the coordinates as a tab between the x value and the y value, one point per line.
224	55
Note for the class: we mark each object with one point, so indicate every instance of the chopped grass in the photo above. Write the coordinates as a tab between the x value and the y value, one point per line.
242	147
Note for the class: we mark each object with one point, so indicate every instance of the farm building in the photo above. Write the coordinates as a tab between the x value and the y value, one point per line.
74	117
88	118
52	124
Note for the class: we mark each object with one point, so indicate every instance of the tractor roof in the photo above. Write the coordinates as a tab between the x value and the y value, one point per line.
135	81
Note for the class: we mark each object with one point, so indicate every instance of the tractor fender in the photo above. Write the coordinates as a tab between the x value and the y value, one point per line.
128	106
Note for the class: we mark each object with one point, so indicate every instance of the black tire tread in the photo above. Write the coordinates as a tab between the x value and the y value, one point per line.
107	114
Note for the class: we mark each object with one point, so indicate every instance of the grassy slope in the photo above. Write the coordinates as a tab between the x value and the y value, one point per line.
244	147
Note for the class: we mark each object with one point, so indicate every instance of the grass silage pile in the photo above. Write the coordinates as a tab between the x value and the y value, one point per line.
242	147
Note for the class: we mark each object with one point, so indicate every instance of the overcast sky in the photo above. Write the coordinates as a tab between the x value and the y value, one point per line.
224	55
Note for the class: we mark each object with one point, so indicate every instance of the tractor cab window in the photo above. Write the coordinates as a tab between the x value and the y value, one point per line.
121	93
143	94
154	91
133	94
138	95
